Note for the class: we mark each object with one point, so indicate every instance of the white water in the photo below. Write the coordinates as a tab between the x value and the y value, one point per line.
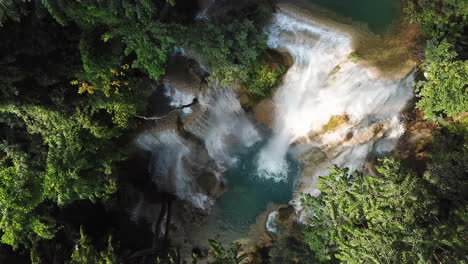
271	224
179	97
205	5
224	128
323	83
172	164
221	122
221	126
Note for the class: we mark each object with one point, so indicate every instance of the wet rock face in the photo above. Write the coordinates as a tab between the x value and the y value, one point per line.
185	74
285	212
210	184
180	164
313	157
392	56
264	112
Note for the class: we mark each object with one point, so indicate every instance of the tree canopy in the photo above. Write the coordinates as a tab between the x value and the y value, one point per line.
57	146
392	217
73	77
444	91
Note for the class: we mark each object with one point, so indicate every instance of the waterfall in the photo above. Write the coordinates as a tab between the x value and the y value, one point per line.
136	211
321	86
179	164
173	165
204	5
223	126
179	97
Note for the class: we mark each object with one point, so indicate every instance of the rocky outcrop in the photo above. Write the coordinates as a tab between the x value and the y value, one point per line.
415	143
185	73
264	112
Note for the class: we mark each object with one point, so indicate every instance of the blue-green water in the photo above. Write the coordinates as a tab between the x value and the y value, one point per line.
248	195
377	14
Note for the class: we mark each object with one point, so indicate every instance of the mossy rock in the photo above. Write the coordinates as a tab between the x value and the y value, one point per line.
354	57
285	212
334	122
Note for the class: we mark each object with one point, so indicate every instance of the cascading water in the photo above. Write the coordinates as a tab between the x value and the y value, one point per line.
329	110
323	84
205	5
223	126
179	97
173	164
271	224
222	129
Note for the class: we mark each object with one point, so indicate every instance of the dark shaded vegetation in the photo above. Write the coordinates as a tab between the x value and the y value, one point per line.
75	74
73	77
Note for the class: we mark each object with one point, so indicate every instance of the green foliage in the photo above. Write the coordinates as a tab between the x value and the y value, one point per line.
444	93
447	170
354	56
73	169
20	193
439	18
229	49
134	24
58	146
218	254
151	48
235	52
85	253
172	257
388	218
101	64
264	76
289	250
54	8
11	9
221	255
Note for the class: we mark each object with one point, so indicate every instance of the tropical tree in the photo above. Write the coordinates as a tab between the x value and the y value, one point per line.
222	255
85	253
444	91
57	146
448	167
11	10
389	218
